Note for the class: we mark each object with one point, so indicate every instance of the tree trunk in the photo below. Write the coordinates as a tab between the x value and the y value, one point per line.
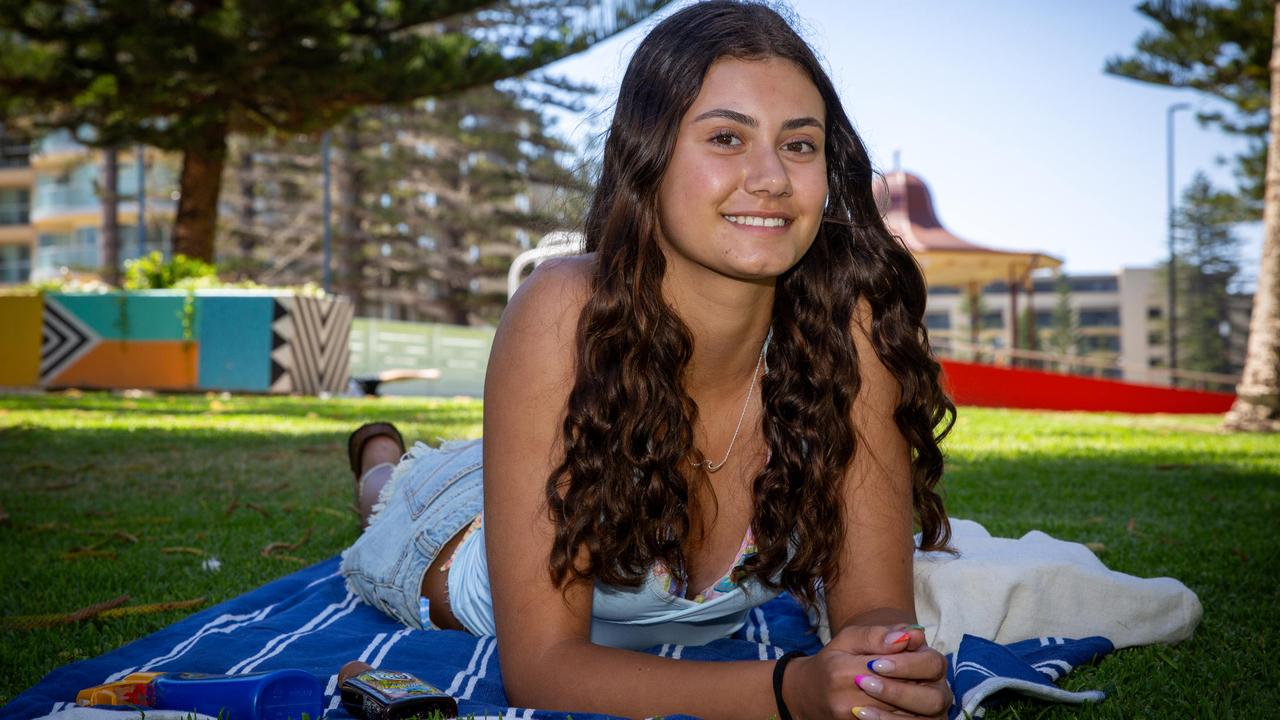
350	182
201	183
1257	405
110	191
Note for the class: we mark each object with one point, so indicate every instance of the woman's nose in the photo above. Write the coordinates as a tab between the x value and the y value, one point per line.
766	175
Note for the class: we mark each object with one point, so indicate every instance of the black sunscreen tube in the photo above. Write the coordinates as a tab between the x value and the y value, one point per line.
390	695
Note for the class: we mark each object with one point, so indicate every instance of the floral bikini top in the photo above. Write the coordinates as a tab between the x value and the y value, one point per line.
672	585
679	587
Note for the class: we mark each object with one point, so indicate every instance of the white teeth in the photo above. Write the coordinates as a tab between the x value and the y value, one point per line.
755	221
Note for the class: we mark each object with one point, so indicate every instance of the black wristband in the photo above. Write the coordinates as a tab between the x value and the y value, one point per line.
778	668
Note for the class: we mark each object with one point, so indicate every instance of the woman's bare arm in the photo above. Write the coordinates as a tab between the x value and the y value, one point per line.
546	655
874	590
875	563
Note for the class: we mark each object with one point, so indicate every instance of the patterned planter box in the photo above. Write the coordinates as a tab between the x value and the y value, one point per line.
269	342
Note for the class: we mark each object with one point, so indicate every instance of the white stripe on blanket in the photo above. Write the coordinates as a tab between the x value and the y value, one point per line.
278	643
471	667
213	626
484	669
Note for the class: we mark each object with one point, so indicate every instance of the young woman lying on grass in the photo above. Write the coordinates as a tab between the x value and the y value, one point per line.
730	394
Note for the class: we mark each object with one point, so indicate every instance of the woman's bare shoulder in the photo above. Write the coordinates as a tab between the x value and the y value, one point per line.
553	294
537	335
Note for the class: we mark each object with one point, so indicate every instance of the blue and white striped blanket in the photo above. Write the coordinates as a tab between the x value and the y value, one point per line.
308	620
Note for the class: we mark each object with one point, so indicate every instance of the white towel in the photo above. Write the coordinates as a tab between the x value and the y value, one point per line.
1006	590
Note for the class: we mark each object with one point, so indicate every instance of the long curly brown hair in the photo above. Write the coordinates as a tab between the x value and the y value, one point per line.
618	494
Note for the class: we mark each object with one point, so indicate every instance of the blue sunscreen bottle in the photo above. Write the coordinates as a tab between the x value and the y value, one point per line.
274	695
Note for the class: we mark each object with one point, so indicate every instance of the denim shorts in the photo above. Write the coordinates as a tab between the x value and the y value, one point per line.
433	494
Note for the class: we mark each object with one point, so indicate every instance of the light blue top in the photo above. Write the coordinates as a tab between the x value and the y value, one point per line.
622	617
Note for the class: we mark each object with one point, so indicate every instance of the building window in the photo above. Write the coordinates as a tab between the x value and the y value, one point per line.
1155	362
1155	338
1044	319
69	190
937	321
157	240
15	206
1100	317
1155	313
1094	283
15	263
1100	343
14	152
992	320
77	251
1083	283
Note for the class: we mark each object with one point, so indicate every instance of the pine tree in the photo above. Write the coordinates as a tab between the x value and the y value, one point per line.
272	212
1207	252
185	76
973	309
432	201
1227	50
1064	335
1028	337
1221	49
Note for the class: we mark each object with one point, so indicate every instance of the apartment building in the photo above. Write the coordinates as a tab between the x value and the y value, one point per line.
1121	320
17	237
51	215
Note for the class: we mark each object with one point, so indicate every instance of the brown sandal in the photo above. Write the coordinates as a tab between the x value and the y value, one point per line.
362	436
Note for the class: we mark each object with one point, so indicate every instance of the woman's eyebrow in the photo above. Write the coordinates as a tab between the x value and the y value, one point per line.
741	119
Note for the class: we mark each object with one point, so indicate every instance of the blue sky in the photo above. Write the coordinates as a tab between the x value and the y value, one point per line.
1002	107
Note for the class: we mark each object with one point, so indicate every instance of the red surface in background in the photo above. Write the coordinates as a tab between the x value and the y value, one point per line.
989	386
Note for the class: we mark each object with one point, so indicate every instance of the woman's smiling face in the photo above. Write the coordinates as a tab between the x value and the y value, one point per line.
744	191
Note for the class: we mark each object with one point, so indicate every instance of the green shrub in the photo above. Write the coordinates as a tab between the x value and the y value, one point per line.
153	272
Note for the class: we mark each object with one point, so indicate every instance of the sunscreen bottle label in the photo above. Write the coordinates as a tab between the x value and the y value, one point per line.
396	685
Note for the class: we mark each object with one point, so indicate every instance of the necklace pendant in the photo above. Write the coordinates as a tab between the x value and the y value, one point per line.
707	464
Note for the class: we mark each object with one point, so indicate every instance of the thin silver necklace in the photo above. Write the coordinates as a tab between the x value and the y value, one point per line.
712	467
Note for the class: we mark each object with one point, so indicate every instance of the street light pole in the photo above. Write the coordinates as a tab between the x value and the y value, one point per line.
1173	266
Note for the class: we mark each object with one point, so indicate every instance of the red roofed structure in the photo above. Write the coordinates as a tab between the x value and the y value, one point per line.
947	259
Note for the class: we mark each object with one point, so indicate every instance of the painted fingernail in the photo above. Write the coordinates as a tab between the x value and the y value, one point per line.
868	684
866	713
880	665
898	639
916	626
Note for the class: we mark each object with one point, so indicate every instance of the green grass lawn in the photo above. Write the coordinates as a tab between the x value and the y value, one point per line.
105	496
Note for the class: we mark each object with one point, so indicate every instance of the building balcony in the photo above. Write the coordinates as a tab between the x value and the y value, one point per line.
17	177
17	234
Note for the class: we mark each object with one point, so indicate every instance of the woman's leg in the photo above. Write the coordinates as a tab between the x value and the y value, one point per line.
379	457
377	461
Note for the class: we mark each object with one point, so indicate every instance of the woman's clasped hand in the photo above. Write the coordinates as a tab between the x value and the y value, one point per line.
869	672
